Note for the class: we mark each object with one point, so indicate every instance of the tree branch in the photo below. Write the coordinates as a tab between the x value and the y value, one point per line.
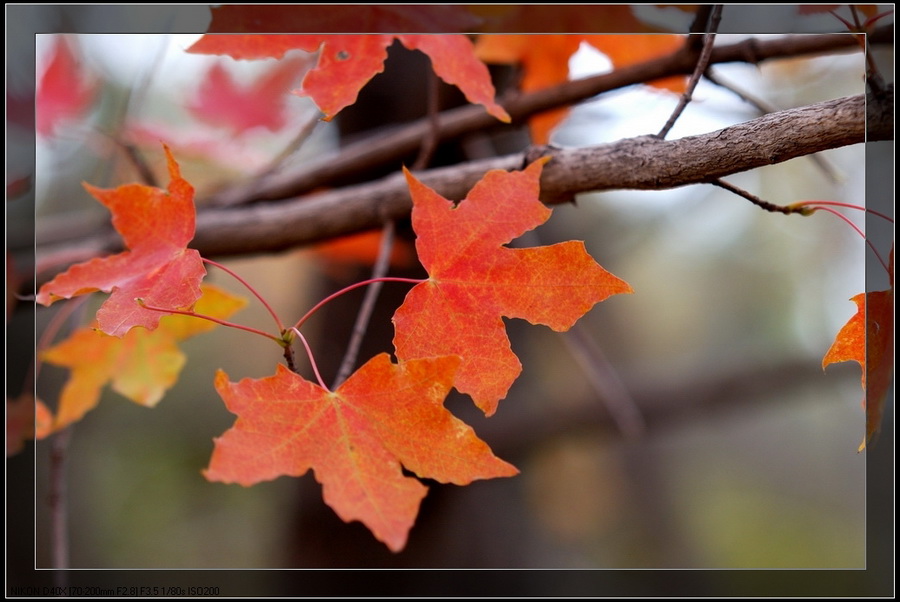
384	147
643	163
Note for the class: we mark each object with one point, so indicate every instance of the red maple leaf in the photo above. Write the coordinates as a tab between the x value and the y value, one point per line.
868	339
348	61
474	280
64	92
156	226
356	439
220	101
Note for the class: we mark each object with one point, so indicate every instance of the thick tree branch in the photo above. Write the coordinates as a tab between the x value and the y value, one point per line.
391	146
645	163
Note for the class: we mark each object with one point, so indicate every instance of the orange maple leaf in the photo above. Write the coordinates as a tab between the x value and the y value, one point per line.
474	280
355	439
348	61
545	60
868	339
156	226
141	365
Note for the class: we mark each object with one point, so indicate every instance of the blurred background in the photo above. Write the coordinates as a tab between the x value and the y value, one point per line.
689	425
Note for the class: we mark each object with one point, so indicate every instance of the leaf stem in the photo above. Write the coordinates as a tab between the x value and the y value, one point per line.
194	314
861	233
699	69
281	327
312	360
333	296
818	204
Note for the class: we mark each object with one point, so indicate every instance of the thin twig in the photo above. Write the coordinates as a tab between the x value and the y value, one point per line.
429	145
700	24
873	77
134	157
293	146
605	381
58	501
702	64
382	263
289	359
134	101
772	207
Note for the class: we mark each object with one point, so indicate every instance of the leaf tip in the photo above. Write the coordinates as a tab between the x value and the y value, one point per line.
410	178
538	164
500	113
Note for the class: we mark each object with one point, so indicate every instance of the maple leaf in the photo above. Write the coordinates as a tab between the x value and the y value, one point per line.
156	226
64	91
141	365
545	60
348	61
474	280
355	439
868	339
220	101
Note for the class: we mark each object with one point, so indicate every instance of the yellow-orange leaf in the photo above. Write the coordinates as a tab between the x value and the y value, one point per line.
357	439
141	365
474	280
